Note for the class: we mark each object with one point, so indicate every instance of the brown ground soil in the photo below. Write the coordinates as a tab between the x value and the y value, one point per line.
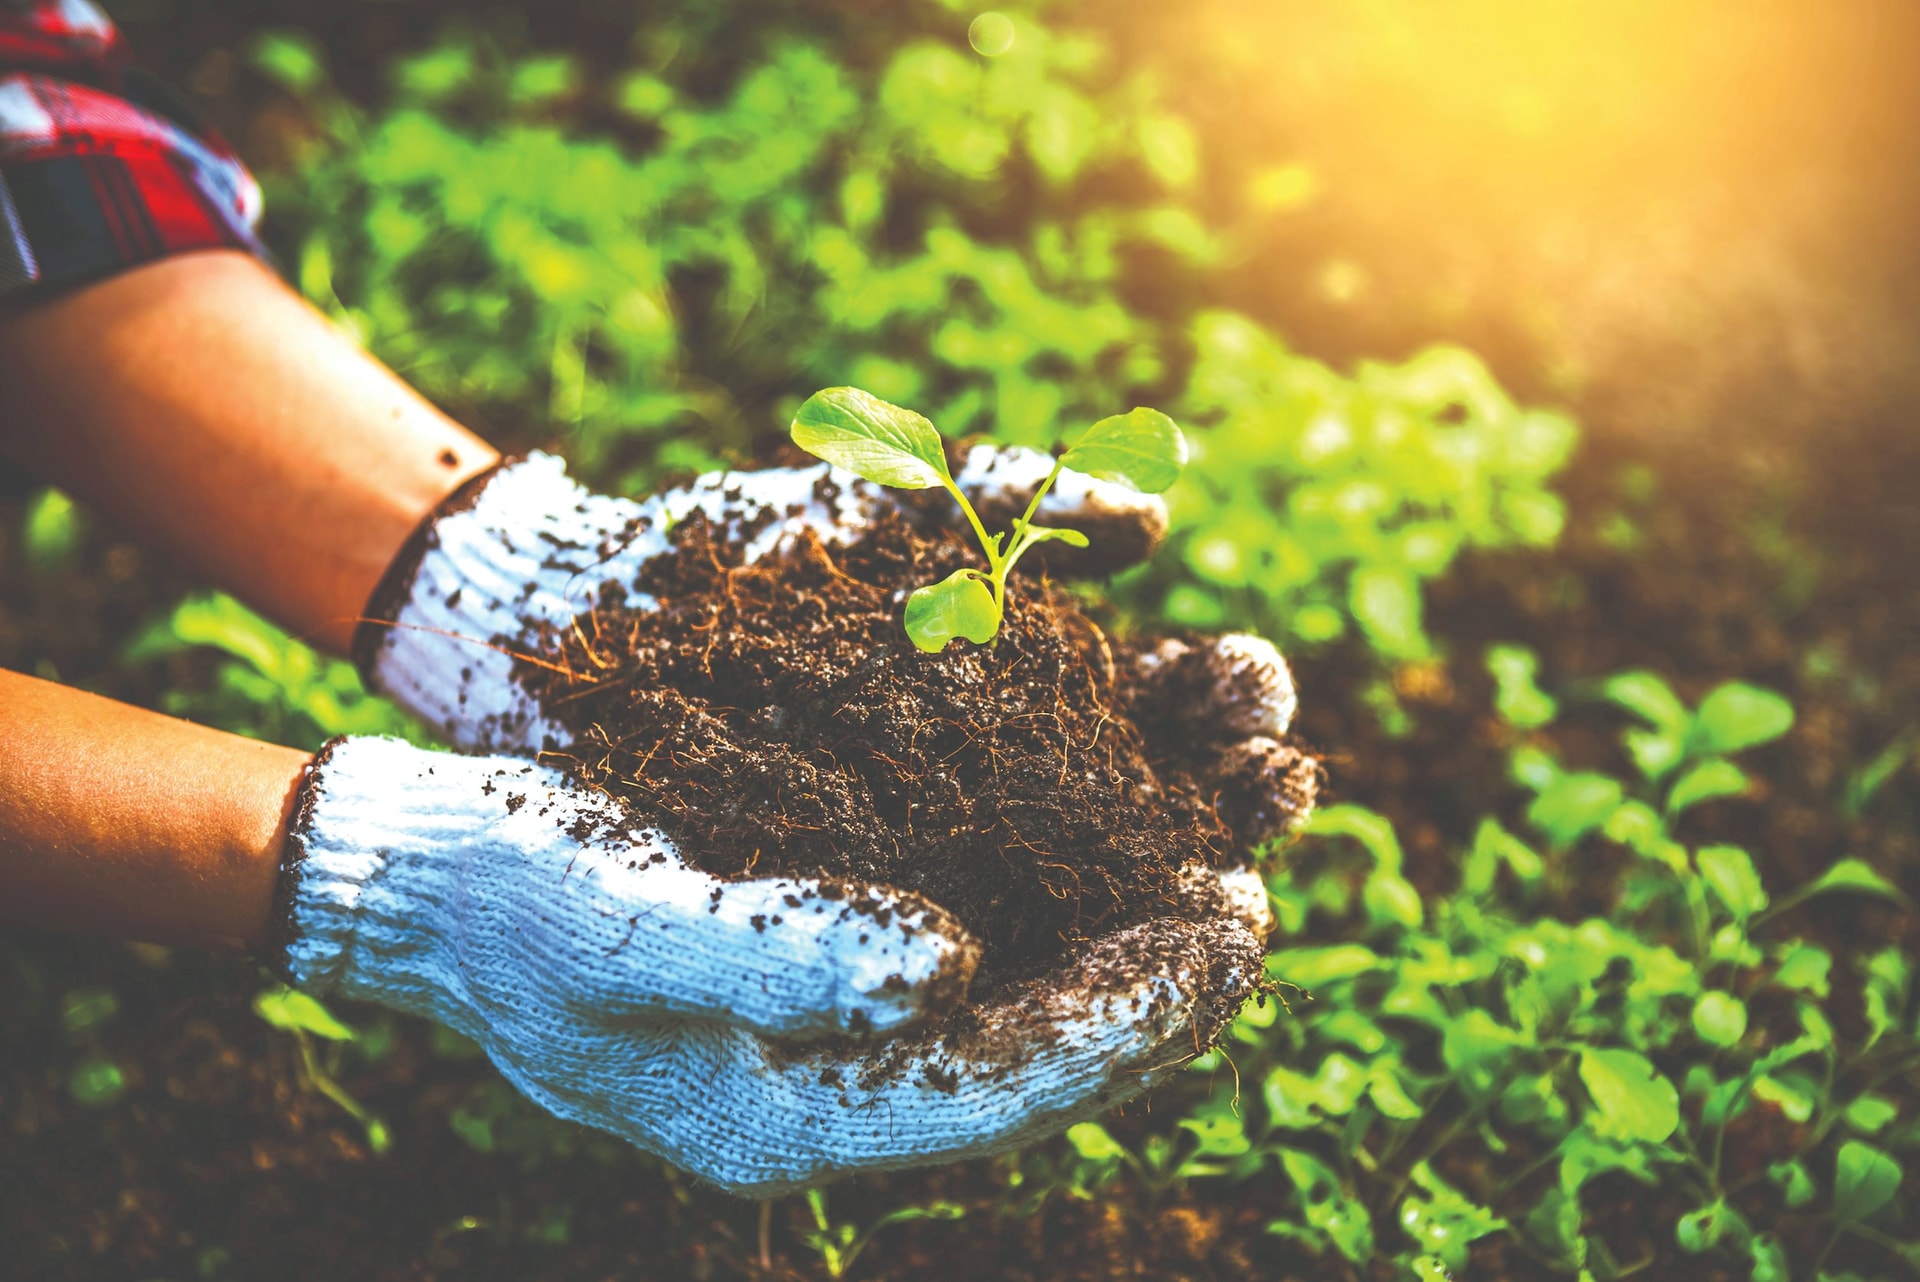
777	721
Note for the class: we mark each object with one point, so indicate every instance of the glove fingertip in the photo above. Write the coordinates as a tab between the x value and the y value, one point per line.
900	959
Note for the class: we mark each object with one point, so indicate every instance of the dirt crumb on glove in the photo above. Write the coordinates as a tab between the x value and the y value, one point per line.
775	720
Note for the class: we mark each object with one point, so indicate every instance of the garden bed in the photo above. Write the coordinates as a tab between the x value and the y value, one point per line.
1740	509
216	1151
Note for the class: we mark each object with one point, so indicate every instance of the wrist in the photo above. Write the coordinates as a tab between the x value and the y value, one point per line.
520	546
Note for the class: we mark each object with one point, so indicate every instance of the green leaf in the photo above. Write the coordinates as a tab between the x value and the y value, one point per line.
84	1009
1859	876
960	605
51	528
1574	805
1792	1093
1769	1259
1493	845
1864	1180
96	1082
1709	1226
1793	1181
1474	1046
289	58
1218	1134
1390	1096
1444	1223
1048	533
1887	975
1639	827
1309	967
1863	783
1651	697
1871	1114
1719	1018
1631	1100
869	437
1092	1141
1370	828
938	1209
1805	968
1141	449
293	1010
1729	871
1658	750
1327	1206
1517	698
1736	716
1714	777
1554	1223
1391	899
1386	601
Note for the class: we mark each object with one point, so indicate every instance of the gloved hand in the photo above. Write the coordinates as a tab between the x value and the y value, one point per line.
680	1064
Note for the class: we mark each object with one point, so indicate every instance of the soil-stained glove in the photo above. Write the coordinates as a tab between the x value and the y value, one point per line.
715	1023
527	548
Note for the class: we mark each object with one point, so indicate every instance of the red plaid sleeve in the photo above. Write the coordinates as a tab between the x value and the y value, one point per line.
93	181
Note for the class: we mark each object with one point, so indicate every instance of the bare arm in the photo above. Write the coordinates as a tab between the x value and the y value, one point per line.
208	409
120	821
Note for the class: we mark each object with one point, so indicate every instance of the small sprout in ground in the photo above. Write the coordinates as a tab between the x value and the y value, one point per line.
1141	449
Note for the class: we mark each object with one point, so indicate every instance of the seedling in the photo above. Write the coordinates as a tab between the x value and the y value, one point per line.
1141	449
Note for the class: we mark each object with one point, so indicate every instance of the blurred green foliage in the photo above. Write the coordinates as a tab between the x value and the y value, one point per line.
655	257
1534	1048
270	686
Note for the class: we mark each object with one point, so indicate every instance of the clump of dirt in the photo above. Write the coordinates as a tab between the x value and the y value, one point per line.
774	719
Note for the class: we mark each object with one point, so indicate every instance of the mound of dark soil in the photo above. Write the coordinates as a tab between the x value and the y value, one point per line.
774	719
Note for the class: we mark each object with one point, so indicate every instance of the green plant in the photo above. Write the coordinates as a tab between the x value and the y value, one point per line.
657	259
1321	503
1475	1066
1141	449
839	1245
303	1016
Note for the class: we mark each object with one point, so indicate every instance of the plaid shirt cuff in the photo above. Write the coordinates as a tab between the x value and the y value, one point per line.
92	183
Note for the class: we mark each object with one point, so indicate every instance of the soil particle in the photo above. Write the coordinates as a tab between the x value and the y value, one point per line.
774	719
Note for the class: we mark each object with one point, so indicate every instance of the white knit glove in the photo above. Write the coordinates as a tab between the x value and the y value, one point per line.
620	988
688	1062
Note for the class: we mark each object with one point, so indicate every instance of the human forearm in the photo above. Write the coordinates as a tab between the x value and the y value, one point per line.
120	821
205	407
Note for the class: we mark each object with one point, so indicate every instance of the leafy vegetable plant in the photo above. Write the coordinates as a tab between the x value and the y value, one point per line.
1141	449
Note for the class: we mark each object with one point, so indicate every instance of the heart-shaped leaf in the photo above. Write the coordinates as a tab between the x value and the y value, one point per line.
871	438
1141	449
959	605
1864	1180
